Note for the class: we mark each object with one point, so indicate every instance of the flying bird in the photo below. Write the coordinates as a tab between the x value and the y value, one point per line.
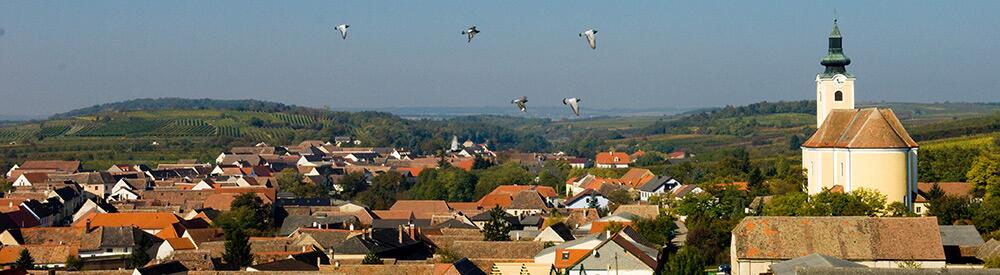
343	30
520	103
470	32
2	32
574	103
591	37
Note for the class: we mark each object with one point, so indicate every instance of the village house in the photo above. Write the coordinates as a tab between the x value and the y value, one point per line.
758	242
612	159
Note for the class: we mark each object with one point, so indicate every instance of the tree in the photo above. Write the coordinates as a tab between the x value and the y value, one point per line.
351	184
949	209
935	192
787	205
496	229
898	209
684	262
24	260
448	183
755	182
659	230
73	263
383	191
507	173
5	186
614	227
290	180
371	258
987	215
249	213
985	173
237	248
139	256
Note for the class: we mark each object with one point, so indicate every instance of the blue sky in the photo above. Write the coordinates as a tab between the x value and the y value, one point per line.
60	55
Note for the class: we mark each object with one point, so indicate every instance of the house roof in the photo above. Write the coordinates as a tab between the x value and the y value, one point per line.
326	238
170	267
955	189
200	235
636	177
511	190
57	165
814	259
868	128
180	243
960	235
286	265
491	200
394	214
527	199
584	194
51	235
43	254
143	220
654	183
574	256
850	238
562	230
610	157
421	208
645	211
511	250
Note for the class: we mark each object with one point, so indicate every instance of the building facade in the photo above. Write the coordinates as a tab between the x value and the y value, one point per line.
856	148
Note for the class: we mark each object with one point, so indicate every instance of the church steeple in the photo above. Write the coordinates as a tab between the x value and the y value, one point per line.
835	60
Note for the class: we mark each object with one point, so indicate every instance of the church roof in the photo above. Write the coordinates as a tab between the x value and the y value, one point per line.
868	128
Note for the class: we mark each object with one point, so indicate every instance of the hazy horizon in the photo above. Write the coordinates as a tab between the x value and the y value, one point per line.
59	56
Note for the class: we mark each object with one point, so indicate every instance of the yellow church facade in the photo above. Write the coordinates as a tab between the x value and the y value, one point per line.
856	148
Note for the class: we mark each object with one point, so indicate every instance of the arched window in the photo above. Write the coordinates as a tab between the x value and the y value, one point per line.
838	96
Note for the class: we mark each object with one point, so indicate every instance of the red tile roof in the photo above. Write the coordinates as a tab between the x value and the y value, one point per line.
861	128
612	158
143	220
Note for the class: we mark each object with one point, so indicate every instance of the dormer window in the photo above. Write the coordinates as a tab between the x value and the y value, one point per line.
617	159
565	255
838	96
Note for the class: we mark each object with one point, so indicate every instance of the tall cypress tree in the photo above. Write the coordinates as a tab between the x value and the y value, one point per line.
237	248
497	228
24	260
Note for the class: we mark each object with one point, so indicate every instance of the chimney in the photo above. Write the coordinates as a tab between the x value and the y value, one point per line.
88	225
351	227
305	248
412	233
401	234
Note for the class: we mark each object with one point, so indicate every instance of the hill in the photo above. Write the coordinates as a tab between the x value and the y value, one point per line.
173	103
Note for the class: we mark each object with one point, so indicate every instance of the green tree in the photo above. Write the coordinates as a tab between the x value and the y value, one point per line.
24	260
987	215
5	186
351	184
949	209
448	183
73	263
290	180
684	262
237	248
935	192
898	209
384	190
755	182
507	173
497	228
139	256
371	259
792	204
985	173
659	230
247	212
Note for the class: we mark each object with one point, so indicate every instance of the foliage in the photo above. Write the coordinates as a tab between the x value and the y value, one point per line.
496	229
5	186
729	120
73	263
909	264
651	158
949	209
787	178
507	173
290	180
951	163
24	260
710	217
247	213
620	196
859	202
448	183
614	227
993	262
383	192
659	230
898	209
985	174
237	248
447	255
351	184
935	192
139	256
684	262
987	215
371	259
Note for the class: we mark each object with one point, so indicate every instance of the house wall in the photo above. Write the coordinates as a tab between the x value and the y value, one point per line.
613	260
755	267
164	250
825	90
891	172
585	203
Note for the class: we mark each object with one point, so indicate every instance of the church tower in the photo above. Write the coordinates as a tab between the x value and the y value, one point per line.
834	87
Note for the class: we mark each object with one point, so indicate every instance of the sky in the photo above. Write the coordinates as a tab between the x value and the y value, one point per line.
60	55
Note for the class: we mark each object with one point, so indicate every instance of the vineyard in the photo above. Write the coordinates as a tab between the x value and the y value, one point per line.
187	127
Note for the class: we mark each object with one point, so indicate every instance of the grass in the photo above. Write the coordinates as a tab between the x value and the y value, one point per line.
976	141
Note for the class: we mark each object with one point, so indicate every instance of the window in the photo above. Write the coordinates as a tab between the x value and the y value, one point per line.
565	255
841	169
108	250
918	209
838	96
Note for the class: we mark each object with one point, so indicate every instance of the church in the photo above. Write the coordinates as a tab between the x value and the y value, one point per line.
856	148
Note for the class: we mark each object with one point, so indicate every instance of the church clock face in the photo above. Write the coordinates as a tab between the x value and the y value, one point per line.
839	80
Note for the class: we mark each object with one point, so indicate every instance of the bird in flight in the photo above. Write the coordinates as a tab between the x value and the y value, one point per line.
591	36
343	30
520	103
470	32
574	103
